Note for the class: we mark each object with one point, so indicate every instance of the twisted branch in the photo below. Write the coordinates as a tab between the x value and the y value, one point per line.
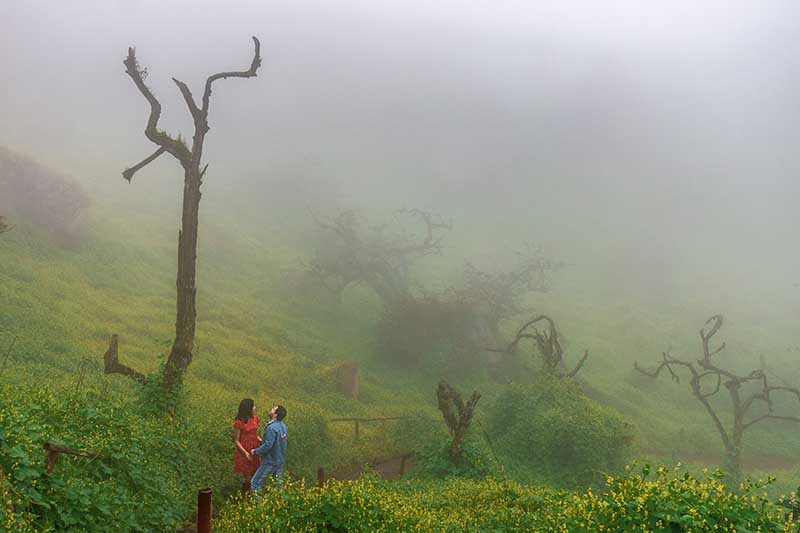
152	132
547	343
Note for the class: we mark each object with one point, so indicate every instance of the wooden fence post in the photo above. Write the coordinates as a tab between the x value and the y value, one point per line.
320	477
204	511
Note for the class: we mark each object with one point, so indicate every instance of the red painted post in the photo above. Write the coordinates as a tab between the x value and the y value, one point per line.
204	511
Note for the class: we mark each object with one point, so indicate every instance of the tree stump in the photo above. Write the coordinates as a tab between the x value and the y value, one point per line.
348	379
457	415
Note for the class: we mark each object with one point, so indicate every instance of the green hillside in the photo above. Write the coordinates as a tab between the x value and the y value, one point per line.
257	337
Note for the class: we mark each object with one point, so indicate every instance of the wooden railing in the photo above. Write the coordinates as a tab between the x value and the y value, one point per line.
357	421
322	475
54	449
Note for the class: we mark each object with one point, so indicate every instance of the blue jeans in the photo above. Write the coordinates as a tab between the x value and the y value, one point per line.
273	472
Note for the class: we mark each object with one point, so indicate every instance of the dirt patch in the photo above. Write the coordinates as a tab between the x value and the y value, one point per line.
389	468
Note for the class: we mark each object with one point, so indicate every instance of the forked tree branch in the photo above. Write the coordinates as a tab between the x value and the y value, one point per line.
249	73
430	243
667	362
189	99
152	132
457	415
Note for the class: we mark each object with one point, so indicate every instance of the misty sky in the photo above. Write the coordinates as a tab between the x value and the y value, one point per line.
664	134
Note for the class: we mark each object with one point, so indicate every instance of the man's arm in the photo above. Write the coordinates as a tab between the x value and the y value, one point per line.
269	439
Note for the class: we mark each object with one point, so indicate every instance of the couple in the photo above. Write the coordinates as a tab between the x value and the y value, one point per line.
255	458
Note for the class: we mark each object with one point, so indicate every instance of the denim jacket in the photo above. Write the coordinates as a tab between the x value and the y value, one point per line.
273	444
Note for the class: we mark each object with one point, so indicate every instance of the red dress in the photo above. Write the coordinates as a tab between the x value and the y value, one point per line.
248	436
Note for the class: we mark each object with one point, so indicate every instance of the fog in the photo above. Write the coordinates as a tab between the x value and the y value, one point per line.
653	147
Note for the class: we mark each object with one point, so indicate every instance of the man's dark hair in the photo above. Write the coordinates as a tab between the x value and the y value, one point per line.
280	413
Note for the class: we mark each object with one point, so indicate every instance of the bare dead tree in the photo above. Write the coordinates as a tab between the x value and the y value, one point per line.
548	345
457	416
705	372
378	257
191	160
499	296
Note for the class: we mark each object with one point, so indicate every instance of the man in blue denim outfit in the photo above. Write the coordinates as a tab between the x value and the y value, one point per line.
272	450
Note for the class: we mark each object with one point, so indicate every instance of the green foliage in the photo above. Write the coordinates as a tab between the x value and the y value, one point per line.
664	502
412	329
136	482
63	305
552	430
155	399
433	460
671	501
311	444
183	149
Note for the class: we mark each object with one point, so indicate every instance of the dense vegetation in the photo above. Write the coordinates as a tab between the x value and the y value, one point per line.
550	431
662	501
535	447
137	482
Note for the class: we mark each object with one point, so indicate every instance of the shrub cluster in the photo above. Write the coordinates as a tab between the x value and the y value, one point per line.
660	501
413	328
33	193
551	429
143	478
434	462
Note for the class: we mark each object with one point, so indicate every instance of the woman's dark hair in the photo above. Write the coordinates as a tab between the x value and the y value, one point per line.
245	410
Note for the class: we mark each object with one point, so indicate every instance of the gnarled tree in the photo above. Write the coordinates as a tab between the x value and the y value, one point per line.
707	379
548	345
457	416
378	257
190	160
495	297
498	296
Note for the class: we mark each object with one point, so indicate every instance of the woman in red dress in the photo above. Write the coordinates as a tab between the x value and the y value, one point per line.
245	429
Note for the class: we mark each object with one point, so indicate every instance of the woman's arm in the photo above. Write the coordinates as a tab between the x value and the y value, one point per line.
238	433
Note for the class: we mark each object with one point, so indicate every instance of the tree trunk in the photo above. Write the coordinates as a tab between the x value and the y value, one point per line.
733	460
181	354
457	416
733	452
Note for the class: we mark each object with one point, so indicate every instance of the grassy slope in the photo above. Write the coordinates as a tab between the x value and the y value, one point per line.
62	304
